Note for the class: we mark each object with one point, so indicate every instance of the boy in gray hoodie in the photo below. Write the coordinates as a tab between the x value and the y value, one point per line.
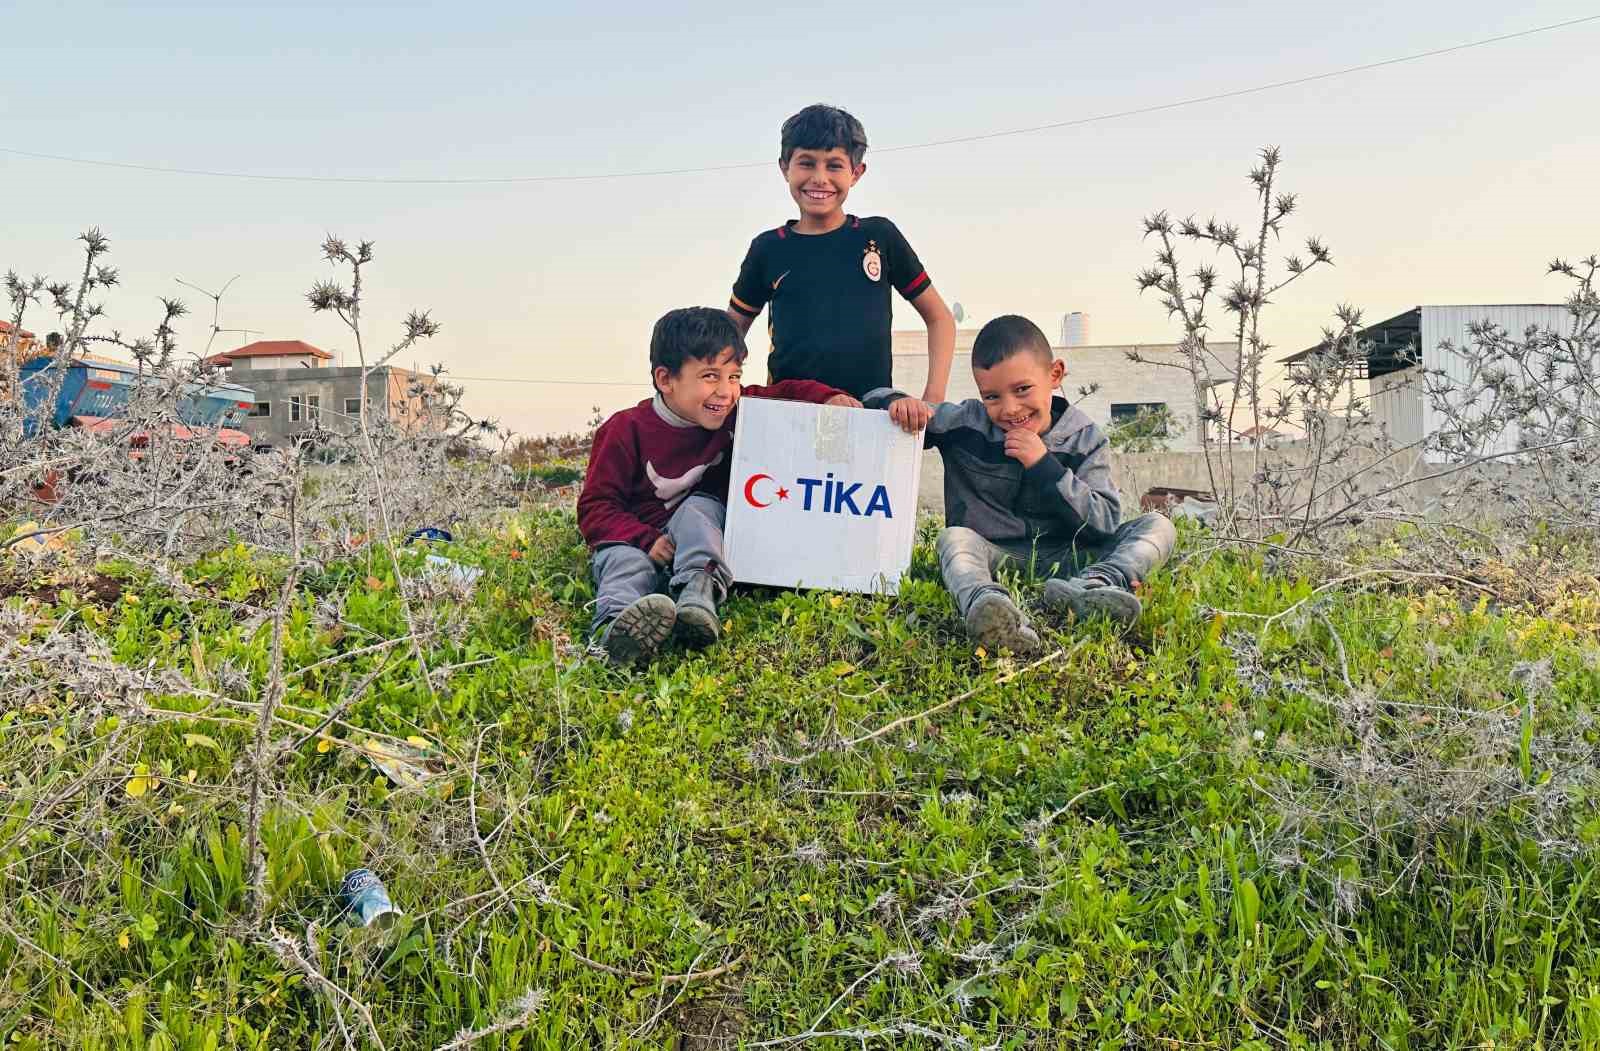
1028	481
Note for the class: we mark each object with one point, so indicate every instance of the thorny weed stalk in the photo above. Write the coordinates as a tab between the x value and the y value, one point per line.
144	486
331	296
1533	401
1514	445
69	798
1516	432
148	490
1343	459
1228	378
1362	815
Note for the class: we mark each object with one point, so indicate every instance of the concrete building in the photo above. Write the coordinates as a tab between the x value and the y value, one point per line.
1399	350
297	388
1123	386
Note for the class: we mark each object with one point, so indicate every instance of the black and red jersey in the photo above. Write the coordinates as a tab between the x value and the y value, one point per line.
830	311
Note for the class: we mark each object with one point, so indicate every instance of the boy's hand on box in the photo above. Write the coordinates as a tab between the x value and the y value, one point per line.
911	414
1024	446
843	399
662	550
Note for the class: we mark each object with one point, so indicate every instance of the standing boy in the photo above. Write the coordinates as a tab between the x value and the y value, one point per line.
654	496
1027	481
825	277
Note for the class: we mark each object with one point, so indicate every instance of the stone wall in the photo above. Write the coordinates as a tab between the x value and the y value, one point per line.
1136	473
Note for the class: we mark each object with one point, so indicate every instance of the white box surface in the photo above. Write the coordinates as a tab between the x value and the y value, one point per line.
821	497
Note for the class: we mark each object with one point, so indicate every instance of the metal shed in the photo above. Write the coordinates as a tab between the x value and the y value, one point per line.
1400	349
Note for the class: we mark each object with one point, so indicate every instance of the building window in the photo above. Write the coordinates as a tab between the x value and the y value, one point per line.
1126	413
262	408
314	407
352	407
296	408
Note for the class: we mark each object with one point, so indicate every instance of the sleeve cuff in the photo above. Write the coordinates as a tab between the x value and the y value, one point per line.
916	286
882	397
742	307
1046	473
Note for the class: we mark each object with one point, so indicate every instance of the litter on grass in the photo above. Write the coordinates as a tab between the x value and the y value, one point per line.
366	899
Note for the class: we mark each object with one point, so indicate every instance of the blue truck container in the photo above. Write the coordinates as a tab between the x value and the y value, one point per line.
104	389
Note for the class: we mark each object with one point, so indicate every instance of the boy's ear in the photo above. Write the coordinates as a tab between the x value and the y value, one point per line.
1058	371
662	375
859	171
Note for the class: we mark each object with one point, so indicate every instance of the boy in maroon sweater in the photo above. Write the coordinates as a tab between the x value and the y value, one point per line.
654	496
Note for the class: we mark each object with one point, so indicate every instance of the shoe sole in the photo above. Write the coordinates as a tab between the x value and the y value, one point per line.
1113	604
639	630
997	626
697	628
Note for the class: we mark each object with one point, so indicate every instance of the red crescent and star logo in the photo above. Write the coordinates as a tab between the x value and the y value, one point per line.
750	491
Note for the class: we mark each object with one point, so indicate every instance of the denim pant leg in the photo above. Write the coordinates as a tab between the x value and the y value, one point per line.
696	531
967	562
1139	547
623	574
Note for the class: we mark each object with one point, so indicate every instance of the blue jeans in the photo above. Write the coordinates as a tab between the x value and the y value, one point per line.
623	574
1138	548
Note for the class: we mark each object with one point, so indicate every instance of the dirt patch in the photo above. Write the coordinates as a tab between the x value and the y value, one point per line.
710	1023
97	589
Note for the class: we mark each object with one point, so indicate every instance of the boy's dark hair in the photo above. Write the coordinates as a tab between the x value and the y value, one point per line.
698	333
1005	336
822	127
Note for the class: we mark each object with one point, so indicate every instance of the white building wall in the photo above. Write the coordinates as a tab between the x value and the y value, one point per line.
1397	403
1440	323
1119	380
279	361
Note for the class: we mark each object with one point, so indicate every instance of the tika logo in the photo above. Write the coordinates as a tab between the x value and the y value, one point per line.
827	495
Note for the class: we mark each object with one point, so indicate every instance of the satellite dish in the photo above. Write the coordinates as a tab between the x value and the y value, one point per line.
960	313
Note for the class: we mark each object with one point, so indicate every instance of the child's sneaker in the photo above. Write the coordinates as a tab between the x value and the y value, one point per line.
698	623
638	631
1089	595
995	623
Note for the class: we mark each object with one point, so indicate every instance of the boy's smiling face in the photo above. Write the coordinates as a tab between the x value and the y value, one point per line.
703	391
819	181
1016	392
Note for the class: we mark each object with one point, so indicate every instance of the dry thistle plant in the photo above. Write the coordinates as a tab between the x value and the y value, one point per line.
149	491
1230	393
1530	406
1343	468
1517	438
1368	812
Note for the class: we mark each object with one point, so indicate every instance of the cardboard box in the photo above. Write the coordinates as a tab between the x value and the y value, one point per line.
821	497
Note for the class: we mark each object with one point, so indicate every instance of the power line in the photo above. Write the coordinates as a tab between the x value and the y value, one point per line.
556	383
1240	92
657	172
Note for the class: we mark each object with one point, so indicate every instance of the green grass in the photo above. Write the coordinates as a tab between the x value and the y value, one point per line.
690	815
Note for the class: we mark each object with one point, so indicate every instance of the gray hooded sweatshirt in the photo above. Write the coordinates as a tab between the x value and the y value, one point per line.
1066	498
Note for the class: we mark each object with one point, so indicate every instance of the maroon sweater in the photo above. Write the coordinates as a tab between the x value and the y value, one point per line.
642	467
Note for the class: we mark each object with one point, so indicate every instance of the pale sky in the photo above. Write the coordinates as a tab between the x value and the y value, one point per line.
1452	179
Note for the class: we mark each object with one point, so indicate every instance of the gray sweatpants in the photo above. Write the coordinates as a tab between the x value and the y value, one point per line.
623	574
968	562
